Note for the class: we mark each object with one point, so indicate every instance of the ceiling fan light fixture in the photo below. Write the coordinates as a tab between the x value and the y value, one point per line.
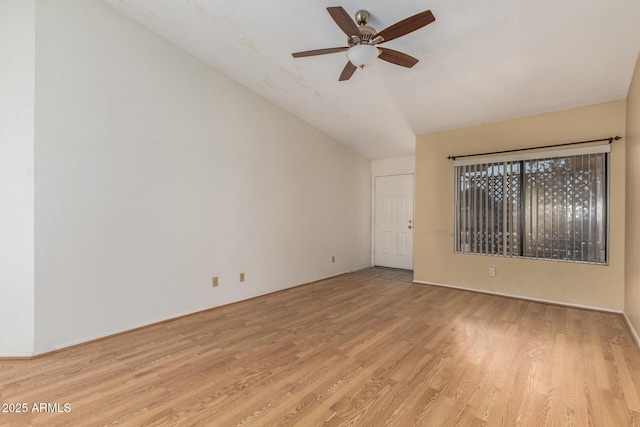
362	55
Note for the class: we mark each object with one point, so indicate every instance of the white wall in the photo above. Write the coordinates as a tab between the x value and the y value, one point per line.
393	166
16	177
155	173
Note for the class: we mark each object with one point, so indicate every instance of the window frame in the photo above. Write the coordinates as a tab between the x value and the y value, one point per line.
504	160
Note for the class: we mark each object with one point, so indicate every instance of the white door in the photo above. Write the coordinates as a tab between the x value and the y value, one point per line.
393	221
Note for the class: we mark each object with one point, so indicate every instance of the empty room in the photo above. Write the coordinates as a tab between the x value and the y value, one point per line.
303	213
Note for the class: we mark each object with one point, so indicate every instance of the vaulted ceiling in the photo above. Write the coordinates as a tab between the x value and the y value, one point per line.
479	62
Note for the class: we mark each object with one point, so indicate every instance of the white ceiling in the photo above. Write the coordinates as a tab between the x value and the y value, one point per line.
480	61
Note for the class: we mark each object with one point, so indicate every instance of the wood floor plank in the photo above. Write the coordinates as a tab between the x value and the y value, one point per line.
353	350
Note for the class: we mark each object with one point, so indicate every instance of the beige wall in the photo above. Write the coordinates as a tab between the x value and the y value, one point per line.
632	244
579	284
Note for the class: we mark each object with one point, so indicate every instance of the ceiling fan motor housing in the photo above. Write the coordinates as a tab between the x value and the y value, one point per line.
366	32
366	35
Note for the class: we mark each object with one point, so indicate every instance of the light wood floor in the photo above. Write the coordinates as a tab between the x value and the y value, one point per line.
353	350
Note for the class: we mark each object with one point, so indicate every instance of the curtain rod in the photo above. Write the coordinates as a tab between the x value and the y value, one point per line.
610	139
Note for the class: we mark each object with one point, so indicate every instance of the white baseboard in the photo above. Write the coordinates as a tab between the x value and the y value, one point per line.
177	315
634	333
502	294
16	356
173	316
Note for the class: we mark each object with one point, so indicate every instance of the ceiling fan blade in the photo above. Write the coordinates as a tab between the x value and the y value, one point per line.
397	58
406	26
319	52
344	21
347	72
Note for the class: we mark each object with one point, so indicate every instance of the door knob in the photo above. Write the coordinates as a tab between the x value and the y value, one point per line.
409	227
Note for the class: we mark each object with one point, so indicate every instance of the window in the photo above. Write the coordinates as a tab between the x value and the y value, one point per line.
550	207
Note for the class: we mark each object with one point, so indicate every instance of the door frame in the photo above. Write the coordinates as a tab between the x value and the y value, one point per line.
373	212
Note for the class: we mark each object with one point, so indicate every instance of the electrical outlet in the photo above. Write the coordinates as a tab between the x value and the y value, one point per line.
214	281
242	277
492	272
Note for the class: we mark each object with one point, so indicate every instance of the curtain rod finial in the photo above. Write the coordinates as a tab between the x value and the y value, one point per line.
614	138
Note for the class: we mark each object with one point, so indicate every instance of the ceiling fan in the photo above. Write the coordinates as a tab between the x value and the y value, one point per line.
362	43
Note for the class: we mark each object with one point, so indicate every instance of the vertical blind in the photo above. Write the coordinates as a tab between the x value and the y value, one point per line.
553	206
